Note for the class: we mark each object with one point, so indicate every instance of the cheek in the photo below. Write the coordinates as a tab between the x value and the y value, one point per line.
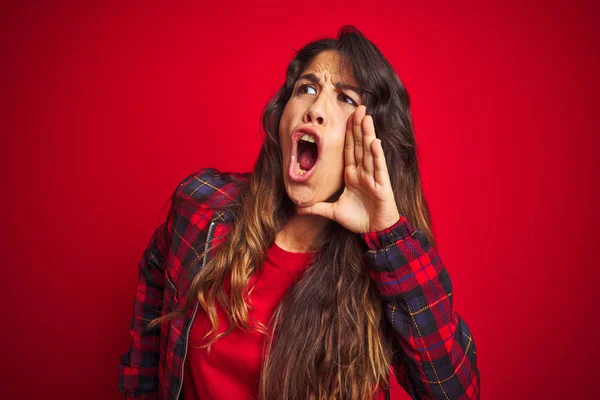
340	142
335	154
284	123
282	135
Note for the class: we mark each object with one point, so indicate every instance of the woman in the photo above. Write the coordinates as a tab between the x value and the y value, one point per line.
313	275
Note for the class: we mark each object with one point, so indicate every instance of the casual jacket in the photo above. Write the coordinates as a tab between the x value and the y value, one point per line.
436	352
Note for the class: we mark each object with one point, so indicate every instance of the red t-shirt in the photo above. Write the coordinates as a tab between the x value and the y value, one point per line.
232	368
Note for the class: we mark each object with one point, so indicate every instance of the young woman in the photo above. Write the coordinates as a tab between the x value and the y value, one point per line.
314	276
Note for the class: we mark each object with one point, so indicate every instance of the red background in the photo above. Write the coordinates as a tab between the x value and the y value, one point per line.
105	108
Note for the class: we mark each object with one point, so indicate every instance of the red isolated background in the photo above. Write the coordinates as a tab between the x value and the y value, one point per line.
105	108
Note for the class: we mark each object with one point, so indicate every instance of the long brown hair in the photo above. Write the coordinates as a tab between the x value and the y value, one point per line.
328	337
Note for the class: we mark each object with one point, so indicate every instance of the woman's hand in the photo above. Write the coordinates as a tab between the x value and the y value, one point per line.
367	203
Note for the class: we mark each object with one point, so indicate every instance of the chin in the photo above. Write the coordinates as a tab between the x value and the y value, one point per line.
302	197
305	196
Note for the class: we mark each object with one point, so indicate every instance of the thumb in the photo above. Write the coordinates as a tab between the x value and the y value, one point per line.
323	209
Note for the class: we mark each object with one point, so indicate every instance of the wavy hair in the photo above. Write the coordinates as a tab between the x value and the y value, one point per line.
328	338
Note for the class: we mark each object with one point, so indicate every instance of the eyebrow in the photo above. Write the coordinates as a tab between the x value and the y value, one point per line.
338	85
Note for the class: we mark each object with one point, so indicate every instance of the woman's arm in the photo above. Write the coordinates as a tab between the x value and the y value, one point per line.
438	360
138	368
414	285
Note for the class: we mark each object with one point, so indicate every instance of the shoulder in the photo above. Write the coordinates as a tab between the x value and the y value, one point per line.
209	187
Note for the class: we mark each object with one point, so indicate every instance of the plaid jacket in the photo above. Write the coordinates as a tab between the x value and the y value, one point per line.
435	356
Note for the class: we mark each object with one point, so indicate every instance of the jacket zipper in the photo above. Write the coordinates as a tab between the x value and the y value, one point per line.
187	333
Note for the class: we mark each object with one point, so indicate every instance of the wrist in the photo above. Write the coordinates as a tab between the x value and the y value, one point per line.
385	223
378	240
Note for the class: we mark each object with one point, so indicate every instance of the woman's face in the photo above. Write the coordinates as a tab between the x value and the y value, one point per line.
312	130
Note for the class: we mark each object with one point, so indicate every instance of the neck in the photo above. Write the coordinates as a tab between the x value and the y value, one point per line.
302	233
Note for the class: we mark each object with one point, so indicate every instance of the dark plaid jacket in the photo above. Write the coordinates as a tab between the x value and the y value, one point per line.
436	353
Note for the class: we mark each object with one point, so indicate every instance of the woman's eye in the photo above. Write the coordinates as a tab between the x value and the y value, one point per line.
307	89
347	99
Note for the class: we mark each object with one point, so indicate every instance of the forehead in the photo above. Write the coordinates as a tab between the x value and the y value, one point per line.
329	66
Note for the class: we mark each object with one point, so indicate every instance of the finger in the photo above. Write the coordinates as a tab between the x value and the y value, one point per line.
322	209
359	114
382	177
349	145
368	138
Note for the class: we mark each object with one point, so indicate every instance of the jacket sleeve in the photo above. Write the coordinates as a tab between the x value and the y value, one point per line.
138	368
437	360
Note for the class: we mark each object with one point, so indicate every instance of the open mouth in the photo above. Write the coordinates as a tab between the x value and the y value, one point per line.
305	154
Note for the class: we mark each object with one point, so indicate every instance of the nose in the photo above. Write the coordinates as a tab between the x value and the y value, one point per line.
316	113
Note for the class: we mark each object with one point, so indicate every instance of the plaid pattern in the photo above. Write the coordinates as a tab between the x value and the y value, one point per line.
436	354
